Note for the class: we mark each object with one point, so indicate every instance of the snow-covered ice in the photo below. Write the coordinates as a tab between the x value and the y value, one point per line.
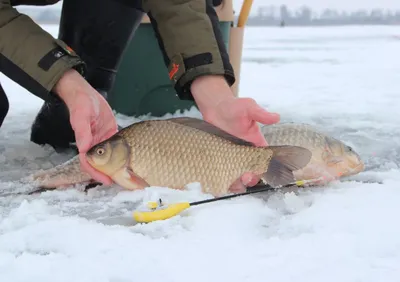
344	80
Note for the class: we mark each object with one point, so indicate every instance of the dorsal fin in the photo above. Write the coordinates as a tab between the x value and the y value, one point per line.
209	128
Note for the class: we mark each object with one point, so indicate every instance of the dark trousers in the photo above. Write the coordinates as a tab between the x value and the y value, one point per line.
4	105
99	31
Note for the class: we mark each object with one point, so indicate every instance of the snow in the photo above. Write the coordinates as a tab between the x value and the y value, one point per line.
341	79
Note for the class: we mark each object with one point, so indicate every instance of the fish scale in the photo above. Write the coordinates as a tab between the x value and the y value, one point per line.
181	155
302	135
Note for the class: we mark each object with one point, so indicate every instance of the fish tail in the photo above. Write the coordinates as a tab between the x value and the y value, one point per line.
67	173
285	160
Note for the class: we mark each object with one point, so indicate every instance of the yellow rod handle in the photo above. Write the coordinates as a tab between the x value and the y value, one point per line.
244	12
170	211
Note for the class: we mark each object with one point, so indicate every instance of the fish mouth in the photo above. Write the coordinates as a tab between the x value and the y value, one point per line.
357	169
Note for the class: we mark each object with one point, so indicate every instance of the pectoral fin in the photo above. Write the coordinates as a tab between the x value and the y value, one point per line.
285	160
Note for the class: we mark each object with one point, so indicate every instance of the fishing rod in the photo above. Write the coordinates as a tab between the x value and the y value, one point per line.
160	212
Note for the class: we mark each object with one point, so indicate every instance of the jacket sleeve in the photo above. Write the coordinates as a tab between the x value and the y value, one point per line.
190	39
29	55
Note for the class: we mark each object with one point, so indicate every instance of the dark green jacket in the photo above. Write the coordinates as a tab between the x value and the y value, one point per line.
187	31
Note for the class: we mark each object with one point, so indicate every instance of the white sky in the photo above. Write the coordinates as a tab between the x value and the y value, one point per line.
318	5
315	5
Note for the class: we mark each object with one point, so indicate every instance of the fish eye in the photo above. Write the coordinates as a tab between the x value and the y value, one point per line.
350	149
100	151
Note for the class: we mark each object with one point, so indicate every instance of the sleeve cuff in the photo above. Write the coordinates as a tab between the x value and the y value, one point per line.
32	57
182	72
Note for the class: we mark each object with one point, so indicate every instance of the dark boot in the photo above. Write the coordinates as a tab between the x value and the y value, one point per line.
99	31
4	105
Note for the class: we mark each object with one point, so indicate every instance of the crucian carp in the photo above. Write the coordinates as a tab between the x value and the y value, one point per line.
175	152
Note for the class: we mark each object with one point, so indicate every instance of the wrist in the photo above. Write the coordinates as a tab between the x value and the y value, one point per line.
66	88
209	92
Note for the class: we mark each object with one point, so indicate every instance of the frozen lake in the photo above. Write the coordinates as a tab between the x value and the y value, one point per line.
344	80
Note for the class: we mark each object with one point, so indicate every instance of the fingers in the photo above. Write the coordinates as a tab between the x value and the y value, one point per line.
261	115
249	179
255	114
83	132
102	134
84	138
258	138
105	127
253	135
237	187
98	176
110	132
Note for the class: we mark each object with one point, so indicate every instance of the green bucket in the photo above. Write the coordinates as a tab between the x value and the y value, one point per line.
142	85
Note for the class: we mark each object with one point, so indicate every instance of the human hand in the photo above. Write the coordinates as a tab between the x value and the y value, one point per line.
90	115
237	116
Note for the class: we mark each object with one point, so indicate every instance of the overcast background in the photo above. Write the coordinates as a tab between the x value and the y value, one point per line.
316	5
319	5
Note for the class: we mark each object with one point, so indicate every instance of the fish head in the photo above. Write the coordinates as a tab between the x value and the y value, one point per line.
109	156
341	159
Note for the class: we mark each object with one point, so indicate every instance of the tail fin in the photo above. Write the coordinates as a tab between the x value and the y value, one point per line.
284	161
67	173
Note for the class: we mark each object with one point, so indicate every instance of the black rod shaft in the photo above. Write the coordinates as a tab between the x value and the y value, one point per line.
263	188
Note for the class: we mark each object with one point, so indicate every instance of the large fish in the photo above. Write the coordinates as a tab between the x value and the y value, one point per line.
175	152
331	158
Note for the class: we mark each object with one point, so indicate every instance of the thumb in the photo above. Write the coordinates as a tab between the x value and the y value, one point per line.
83	133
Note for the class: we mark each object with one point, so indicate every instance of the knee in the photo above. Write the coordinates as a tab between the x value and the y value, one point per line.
4	105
